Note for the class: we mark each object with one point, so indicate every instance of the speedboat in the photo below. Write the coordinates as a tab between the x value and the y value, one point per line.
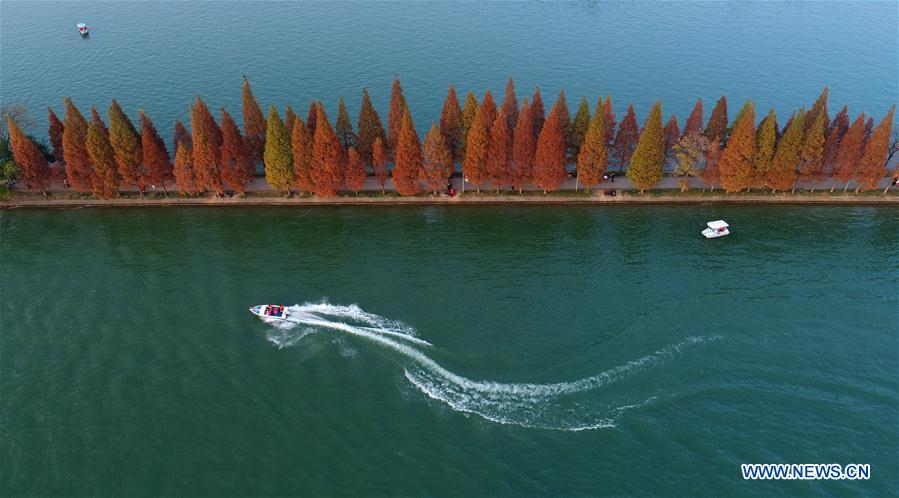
716	228
270	311
82	28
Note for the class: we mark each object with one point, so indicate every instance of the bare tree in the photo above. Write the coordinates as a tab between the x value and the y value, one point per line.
19	114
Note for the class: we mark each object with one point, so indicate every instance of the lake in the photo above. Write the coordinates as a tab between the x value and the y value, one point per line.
157	56
446	351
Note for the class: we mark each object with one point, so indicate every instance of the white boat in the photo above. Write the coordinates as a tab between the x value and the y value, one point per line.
716	228
270	311
82	28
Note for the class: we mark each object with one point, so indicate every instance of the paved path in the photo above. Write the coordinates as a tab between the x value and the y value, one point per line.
259	184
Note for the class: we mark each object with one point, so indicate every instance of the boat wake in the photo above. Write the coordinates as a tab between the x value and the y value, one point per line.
560	406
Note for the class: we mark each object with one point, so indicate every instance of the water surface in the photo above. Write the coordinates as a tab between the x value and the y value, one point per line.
158	55
592	350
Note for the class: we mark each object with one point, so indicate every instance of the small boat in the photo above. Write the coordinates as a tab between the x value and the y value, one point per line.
82	28
270	311
716	228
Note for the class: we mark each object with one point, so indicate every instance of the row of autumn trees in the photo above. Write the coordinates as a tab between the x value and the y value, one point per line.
497	146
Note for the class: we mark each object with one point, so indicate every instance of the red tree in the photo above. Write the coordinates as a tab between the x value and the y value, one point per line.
55	130
237	164
98	122
312	117
672	134
873	163
328	161
626	140
549	159
561	107
185	179
379	162
609	122
474	168
847	161
510	106
538	113
301	144
79	170
254	123
355	170
289	118
694	122
180	135
488	111
395	115
523	147
157	166
206	148
835	132
498	172
437	159
408	159
35	170
717	125
451	124
710	174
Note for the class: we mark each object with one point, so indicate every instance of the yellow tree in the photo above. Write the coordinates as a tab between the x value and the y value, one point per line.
765	140
277	157
648	161
736	160
782	174
811	157
593	157
438	159
125	142
103	158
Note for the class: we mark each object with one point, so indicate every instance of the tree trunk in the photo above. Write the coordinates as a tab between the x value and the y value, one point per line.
846	187
857	188
576	181
833	186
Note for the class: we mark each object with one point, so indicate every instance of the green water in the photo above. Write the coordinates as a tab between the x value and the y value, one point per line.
129	364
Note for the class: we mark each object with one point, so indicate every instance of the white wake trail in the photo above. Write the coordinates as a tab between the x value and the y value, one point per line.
549	406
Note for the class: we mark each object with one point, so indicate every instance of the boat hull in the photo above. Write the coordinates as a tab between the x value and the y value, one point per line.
270	311
713	234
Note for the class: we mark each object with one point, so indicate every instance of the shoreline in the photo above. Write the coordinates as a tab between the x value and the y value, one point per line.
559	197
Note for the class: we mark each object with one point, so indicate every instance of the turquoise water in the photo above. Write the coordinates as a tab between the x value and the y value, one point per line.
159	55
492	351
